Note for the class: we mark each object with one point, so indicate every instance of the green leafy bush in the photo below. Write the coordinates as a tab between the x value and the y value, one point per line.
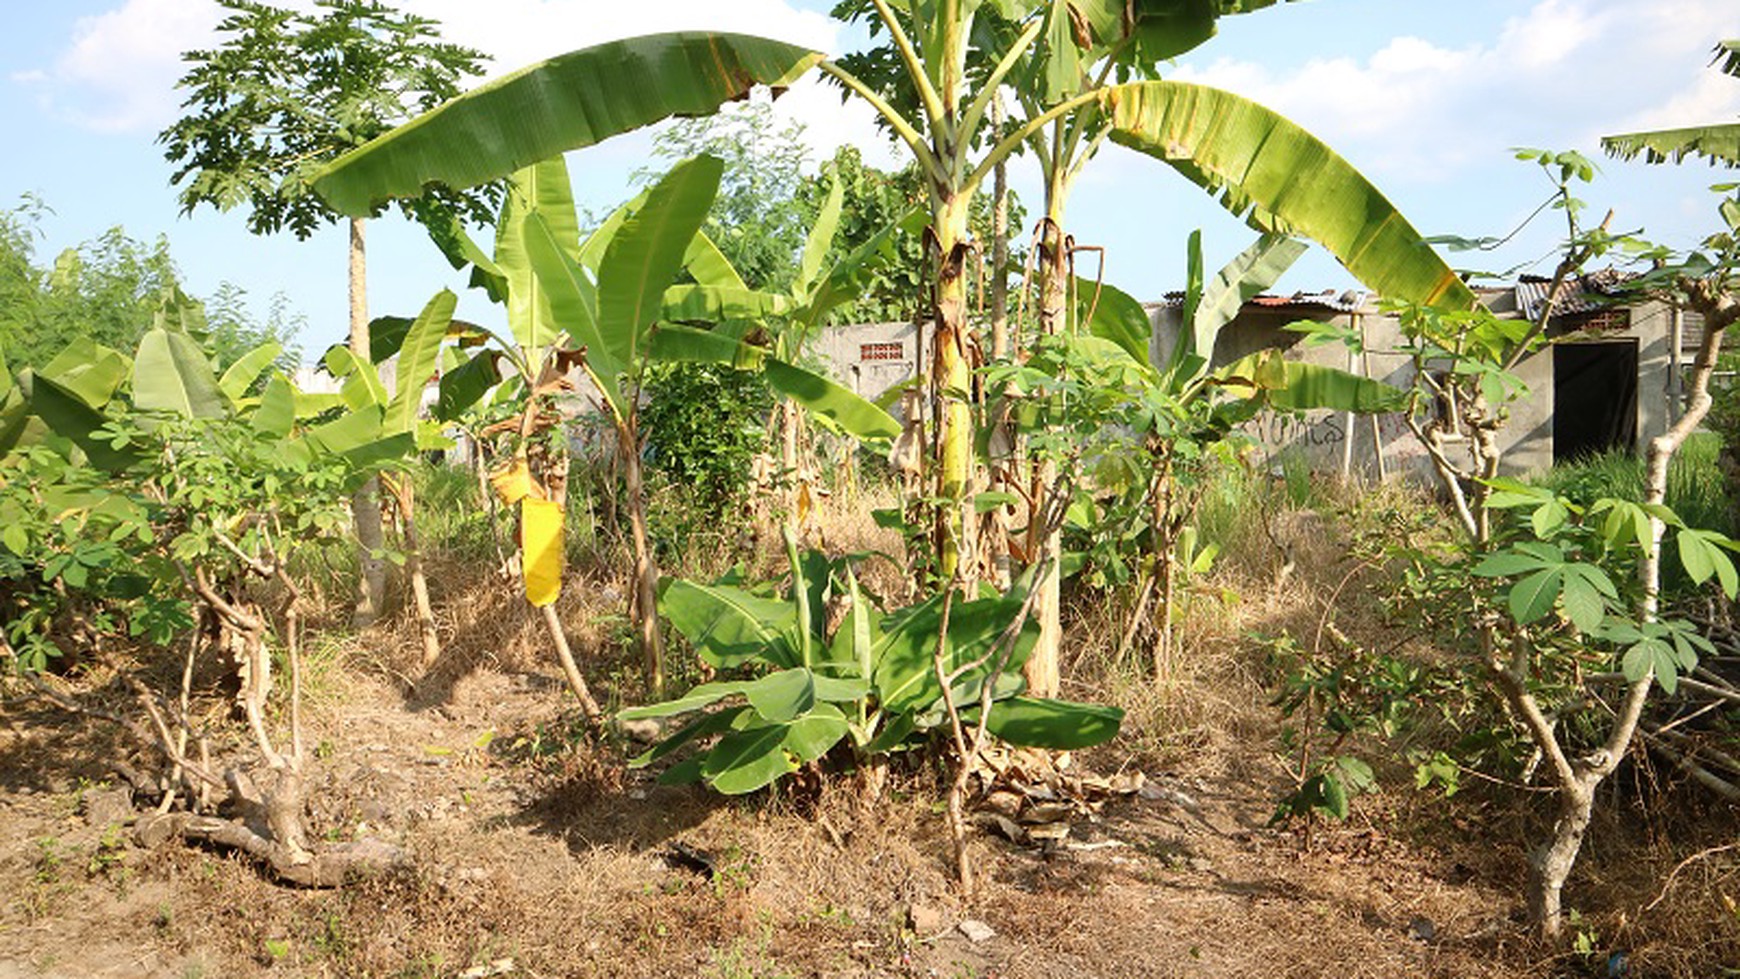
871	683
704	425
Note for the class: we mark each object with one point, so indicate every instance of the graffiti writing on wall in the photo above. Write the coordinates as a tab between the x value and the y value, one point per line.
1278	431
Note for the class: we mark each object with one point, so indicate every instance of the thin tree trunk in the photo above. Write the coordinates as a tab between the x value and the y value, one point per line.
790	437
570	669
404	498
1164	542
1003	438
646	572
1551	864
365	505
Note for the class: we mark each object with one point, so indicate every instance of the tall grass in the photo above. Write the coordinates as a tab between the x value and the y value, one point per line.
1696	489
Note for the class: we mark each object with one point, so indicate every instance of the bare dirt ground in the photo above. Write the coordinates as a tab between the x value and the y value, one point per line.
538	859
538	854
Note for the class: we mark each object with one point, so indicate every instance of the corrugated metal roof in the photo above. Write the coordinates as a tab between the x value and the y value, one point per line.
1349	301
1580	294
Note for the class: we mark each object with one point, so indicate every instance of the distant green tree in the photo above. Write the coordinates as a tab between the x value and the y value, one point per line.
107	290
875	199
289	90
758	220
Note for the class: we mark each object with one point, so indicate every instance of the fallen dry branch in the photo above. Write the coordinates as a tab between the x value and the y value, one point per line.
328	866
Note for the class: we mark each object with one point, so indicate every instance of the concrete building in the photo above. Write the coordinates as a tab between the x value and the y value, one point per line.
871	358
1611	378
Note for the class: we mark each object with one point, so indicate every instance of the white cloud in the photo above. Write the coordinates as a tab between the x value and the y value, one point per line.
117	71
1558	74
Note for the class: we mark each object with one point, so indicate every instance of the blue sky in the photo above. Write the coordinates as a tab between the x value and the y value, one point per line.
1426	98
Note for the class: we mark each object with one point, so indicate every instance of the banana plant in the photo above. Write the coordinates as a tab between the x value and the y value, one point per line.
597	305
1265	168
789	320
871	684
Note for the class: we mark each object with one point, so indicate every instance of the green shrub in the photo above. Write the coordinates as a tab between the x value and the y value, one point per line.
704	424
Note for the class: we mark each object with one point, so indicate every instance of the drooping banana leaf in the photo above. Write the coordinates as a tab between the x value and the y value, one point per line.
1284	179
541	544
852	413
362	386
465	385
462	252
820	237
276	414
564	103
241	375
1718	143
905	644
1058	725
1289	385
708	266
65	414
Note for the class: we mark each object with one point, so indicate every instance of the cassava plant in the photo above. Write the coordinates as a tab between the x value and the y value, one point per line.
186	495
1583	585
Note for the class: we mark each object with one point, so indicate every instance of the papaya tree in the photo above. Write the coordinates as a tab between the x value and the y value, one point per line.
287	89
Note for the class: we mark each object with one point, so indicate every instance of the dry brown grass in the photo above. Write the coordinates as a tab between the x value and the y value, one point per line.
534	843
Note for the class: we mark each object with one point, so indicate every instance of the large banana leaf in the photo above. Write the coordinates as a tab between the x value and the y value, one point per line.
276	414
171	373
1719	143
721	304
905	643
1110	313
728	626
572	300
65	414
89	370
1255	269
646	253
1285	179
540	194
417	361
570	101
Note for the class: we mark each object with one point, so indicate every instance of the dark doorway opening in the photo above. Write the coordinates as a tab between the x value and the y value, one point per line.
1594	398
